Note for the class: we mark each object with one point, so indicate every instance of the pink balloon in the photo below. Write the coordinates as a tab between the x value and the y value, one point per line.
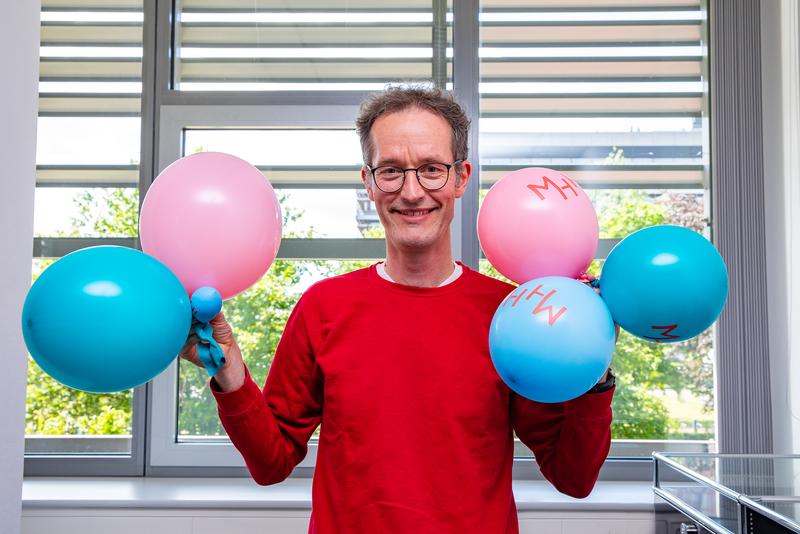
537	222
214	220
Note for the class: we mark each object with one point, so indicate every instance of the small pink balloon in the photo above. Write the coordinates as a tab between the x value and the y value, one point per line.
538	222
214	220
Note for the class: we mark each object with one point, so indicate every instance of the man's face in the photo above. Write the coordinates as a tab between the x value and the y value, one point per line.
413	217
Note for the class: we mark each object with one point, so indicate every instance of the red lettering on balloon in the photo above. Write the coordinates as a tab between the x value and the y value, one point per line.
515	297
552	315
569	184
566	184
540	307
535	292
665	335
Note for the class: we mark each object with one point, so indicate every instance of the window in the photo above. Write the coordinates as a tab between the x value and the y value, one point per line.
315	172
614	95
88	153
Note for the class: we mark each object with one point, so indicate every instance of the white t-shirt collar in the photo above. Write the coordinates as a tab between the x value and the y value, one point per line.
457	270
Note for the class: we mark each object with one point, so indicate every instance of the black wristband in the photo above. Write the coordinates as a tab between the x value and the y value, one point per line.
609	383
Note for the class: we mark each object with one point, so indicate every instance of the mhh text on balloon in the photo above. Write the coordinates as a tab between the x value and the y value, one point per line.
105	319
537	222
214	220
664	283
551	339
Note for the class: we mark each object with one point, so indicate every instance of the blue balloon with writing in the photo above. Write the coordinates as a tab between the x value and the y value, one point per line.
664	283
551	339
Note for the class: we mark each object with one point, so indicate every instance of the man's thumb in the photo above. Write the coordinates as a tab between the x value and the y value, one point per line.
222	329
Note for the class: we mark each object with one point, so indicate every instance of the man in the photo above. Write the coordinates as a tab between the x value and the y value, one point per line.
393	361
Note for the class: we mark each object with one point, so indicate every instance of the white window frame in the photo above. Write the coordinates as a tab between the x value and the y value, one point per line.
166	113
165	450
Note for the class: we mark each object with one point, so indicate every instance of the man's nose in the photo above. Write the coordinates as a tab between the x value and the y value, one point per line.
411	186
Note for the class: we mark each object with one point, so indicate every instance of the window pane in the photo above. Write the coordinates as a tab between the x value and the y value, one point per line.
331	213
258	317
665	392
621	212
62	420
316	173
87	141
615	100
87	173
362	46
86	212
305	150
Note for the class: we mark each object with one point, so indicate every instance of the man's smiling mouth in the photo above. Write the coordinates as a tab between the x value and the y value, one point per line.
414	213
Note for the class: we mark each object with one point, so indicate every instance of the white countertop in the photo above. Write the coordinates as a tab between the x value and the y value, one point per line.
292	494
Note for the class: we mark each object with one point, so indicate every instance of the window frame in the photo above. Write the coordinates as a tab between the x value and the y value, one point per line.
98	464
132	464
167	112
167	455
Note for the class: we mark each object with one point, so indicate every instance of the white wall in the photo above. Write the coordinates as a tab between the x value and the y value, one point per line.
177	521
781	105
19	65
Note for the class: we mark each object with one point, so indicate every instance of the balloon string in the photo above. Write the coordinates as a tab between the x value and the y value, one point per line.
208	349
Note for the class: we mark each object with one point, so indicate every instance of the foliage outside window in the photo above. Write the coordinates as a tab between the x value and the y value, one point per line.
650	376
52	408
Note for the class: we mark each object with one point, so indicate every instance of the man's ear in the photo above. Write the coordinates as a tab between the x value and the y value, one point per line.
367	182
463	173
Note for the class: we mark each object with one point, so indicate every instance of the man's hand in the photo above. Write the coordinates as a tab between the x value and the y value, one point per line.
231	375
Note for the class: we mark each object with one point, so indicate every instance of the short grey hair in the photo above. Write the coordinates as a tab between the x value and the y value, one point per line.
399	98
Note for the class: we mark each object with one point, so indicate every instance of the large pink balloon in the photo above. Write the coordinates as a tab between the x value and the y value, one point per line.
537	222
214	220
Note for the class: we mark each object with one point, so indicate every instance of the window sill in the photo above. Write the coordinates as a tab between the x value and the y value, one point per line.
292	494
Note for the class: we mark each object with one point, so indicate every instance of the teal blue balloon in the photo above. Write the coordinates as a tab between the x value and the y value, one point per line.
664	283
106	319
551	339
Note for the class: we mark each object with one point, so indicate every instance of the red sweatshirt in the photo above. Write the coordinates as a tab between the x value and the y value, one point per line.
417	426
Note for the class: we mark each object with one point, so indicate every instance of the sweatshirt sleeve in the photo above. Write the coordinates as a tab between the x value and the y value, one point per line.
271	426
570	440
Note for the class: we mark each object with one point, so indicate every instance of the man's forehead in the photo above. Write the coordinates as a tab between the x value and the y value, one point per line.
400	137
402	155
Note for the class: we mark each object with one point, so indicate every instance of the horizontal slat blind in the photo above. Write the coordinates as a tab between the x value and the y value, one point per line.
92	5
611	91
89	92
308	45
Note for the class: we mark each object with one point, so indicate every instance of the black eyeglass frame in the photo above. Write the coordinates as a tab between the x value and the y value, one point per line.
416	173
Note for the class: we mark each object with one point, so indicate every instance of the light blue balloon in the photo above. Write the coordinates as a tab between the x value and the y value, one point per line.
551	339
664	283
106	319
206	303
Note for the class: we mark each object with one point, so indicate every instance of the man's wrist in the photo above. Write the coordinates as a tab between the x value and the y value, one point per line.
605	384
230	380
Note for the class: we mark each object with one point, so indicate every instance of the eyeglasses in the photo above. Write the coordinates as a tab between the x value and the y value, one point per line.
431	176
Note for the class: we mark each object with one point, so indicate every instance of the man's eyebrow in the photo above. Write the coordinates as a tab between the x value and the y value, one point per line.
387	161
398	163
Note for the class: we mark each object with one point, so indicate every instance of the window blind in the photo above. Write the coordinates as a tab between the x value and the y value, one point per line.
267	45
612	92
90	87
